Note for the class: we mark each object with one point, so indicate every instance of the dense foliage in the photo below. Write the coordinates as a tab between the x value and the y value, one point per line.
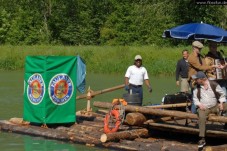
100	22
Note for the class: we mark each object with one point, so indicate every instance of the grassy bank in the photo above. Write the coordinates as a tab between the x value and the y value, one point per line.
99	59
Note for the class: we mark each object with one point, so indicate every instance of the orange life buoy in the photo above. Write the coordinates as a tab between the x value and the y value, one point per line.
116	114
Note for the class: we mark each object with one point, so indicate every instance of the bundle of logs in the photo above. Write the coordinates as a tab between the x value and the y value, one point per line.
139	116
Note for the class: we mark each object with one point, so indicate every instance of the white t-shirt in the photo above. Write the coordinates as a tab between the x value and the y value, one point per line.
136	75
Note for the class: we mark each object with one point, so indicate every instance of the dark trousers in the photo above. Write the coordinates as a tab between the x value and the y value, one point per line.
137	89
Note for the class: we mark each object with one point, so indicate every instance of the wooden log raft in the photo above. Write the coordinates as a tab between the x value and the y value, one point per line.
158	112
130	134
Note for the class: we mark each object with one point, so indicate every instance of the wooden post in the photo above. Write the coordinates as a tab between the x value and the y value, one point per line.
89	99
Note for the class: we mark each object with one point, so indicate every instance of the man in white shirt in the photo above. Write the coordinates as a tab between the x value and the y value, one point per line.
134	77
206	97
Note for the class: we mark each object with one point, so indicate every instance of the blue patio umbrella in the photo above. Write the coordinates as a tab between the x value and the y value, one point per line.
197	31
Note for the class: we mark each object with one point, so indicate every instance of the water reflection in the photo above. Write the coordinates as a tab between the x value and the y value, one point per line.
40	144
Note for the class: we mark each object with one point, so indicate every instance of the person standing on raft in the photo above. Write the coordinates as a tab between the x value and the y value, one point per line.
134	77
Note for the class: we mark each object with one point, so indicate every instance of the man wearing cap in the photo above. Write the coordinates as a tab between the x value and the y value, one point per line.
206	96
134	77
195	60
196	63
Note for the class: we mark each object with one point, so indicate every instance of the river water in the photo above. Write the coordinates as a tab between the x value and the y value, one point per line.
11	92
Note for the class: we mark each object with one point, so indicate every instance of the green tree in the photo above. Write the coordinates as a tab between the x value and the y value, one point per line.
4	25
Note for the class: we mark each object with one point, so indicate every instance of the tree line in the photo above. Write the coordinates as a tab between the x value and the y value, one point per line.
100	22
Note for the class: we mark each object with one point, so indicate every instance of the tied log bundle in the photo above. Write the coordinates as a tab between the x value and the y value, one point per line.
159	112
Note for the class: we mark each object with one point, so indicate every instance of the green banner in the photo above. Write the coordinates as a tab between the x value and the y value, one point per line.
50	89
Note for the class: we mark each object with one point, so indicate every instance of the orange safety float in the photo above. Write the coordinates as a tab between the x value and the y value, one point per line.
115	117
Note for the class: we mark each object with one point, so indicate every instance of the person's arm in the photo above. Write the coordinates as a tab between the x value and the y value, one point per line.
127	75
222	98
147	82
126	81
196	100
177	73
196	64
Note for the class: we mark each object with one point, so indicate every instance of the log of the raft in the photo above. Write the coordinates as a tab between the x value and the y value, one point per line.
101	91
79	127
162	119
158	112
135	119
186	130
164	106
216	148
130	134
120	146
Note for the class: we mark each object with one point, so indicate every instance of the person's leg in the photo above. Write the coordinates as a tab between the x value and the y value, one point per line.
138	90
202	126
184	85
202	115
225	114
225	107
193	108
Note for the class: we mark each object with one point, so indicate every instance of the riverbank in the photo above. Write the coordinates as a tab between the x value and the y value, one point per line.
100	59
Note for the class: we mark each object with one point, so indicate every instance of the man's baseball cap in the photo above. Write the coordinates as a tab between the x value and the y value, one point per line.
138	57
199	75
197	44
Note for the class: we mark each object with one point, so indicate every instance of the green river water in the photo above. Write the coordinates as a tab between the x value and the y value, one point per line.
11	92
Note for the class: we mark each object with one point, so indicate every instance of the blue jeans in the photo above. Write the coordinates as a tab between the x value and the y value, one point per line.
138	90
193	108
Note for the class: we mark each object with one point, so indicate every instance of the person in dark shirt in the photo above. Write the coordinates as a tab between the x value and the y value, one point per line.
182	72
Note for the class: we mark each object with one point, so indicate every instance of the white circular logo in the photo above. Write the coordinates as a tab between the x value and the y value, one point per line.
35	89
60	89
